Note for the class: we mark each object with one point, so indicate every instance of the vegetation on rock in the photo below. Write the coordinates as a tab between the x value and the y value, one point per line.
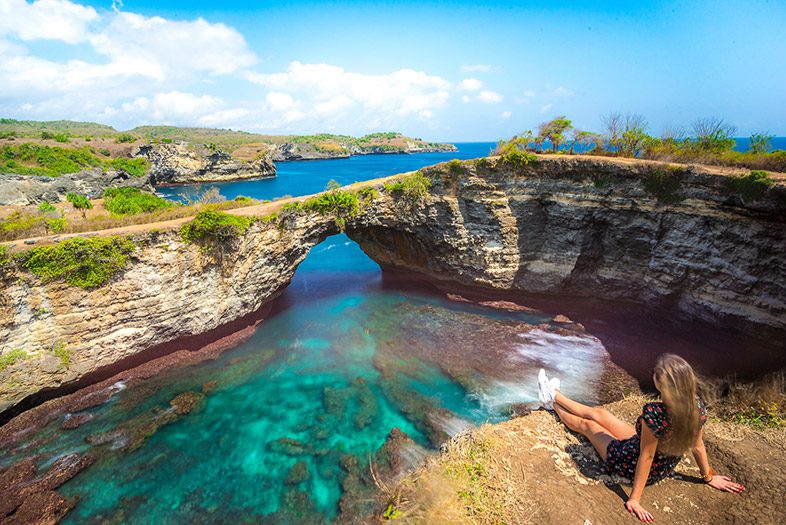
9	358
52	161
664	183
752	186
79	202
83	262
414	187
132	201
214	226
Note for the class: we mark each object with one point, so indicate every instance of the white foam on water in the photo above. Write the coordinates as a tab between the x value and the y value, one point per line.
450	425
578	360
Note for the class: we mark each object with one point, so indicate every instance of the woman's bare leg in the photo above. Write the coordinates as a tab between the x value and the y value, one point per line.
597	435
613	425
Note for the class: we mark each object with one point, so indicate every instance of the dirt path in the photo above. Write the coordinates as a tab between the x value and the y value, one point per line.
531	470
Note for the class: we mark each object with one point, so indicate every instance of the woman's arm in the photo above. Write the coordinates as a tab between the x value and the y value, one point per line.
715	481
649	444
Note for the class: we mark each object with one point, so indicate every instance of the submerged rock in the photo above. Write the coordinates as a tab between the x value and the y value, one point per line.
289	446
297	474
187	402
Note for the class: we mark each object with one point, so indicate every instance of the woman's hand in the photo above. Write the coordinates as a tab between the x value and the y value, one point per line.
634	507
726	484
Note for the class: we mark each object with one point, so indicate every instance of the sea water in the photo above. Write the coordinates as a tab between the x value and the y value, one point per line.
286	424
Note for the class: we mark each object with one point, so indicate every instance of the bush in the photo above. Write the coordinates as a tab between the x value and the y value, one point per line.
214	226
664	183
5	259
414	187
45	207
105	152
61	137
518	159
125	137
136	167
79	261
752	186
132	201
59	349
9	358
51	161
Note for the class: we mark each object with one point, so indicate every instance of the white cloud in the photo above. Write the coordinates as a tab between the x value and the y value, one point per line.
545	108
470	84
478	68
328	90
465	99
529	93
490	97
279	101
505	115
560	92
46	20
173	107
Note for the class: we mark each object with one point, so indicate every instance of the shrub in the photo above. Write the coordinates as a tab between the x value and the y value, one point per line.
760	143
216	226
415	186
9	358
5	259
243	199
455	167
61	137
125	137
59	349
17	222
80	202
105	152
56	225
752	186
664	183
79	261
132	201
51	161
518	159
136	167
45	207
341	204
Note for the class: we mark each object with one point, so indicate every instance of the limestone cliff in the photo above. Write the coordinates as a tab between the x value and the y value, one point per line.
25	190
593	227
169	291
560	226
184	163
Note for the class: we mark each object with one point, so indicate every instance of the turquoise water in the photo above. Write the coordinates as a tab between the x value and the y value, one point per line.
284	426
304	177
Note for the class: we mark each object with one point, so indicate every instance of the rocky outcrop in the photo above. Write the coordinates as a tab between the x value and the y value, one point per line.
593	227
560	226
307	151
24	190
184	163
170	291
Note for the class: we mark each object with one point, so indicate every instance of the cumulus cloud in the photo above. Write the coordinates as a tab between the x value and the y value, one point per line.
150	69
490	97
46	20
470	84
325	91
505	115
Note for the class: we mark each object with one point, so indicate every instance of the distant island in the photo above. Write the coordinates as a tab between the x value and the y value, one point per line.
240	145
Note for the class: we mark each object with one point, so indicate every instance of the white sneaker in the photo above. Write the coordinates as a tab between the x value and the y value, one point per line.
544	391
553	387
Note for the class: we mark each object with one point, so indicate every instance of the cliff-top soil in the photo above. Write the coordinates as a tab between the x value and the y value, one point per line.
532	470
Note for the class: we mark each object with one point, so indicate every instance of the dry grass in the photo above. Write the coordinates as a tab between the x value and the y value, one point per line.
471	482
761	403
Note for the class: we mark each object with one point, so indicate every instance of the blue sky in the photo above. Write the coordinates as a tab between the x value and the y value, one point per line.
437	70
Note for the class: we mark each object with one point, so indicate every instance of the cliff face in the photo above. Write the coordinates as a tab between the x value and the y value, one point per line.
310	151
591	227
25	190
560	226
169	291
182	163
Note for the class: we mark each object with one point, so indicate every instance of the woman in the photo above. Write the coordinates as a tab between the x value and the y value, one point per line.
650	451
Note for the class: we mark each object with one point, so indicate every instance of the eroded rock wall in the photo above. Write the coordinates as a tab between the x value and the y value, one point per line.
169	290
184	163
590	227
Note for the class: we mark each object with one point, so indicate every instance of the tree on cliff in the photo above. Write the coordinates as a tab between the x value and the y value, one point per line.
626	134
554	131
588	140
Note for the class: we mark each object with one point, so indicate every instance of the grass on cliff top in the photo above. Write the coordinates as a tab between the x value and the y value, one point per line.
413	187
214	226
339	203
22	224
83	262
52	161
752	186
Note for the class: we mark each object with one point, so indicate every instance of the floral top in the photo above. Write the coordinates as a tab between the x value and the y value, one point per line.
622	456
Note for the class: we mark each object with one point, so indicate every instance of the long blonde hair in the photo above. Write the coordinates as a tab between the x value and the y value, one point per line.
677	383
